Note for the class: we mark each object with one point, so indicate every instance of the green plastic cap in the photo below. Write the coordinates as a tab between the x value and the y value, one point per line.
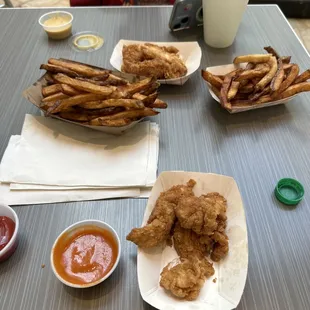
289	191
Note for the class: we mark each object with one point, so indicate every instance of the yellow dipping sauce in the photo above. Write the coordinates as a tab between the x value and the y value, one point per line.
58	27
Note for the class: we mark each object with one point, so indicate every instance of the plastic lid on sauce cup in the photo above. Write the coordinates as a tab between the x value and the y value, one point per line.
87	41
289	191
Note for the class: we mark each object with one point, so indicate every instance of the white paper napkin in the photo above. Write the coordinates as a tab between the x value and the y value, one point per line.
51	152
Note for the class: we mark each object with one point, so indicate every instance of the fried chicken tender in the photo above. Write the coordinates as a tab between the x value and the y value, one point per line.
203	215
186	279
152	60
162	217
221	246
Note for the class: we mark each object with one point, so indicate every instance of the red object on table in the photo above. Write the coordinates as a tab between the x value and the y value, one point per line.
7	227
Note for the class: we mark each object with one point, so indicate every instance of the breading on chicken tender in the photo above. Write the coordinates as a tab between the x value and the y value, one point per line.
186	279
162	217
221	246
203	215
152	60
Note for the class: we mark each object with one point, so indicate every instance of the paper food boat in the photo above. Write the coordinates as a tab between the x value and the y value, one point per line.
224	69
231	272
34	95
190	53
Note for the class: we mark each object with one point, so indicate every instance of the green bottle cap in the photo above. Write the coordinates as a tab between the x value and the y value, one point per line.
289	191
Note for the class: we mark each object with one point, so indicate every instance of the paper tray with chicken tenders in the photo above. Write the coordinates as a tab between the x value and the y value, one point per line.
256	81
94	97
171	62
192	246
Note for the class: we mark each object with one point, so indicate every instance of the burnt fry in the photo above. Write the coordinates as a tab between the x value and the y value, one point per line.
278	78
82	85
225	88
255	58
51	90
79	68
286	59
233	90
58	69
68	90
303	77
295	89
247	89
55	97
212	79
269	76
273	52
255	96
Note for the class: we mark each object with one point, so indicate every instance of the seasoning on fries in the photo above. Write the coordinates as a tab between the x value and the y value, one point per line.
265	78
95	96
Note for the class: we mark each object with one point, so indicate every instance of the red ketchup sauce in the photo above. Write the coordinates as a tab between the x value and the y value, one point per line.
7	227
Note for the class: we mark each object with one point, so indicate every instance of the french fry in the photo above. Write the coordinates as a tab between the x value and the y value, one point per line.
110	123
73	101
131	114
49	79
130	89
55	97
114	80
82	85
247	89
287	67
151	89
68	90
278	78
286	59
295	89
126	103
79	68
273	52
256	96
101	82
251	74
58	69
255	58
247	102
303	77
287	82
225	88
149	102
233	90
269	76
212	79
51	90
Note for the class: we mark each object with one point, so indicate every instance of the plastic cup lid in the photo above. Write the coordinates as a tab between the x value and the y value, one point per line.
87	41
289	191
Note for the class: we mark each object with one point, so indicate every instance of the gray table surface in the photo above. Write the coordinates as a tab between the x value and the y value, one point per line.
257	148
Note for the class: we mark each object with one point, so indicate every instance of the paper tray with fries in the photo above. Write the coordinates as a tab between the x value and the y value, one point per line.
225	292
256	81
190	53
93	97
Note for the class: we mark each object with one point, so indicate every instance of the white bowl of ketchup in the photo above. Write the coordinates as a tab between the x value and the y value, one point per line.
8	231
85	254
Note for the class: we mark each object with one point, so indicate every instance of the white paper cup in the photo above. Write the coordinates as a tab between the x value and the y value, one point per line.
221	20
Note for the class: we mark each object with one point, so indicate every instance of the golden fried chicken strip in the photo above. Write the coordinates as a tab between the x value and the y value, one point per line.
203	215
221	246
186	279
162	217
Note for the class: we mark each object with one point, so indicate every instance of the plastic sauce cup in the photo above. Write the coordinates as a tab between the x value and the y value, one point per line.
57	24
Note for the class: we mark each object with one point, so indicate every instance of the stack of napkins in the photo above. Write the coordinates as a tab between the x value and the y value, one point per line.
53	161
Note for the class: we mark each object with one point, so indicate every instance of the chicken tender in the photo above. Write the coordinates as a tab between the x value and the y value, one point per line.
151	60
162	217
203	215
221	246
186	279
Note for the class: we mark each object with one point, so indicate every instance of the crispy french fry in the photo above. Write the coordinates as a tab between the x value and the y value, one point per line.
126	91
131	114
58	69
158	104
250	66
269	76
51	90
110	123
73	101
79	68
247	89
287	82
126	103
303	77
273	52
286	59
49	79
55	97
82	85
225	88
76	116
115	80
151	89
278	78
287	67
101	82
254	58
216	91
256	96
233	90
212	79
245	103
295	89
68	90
251	74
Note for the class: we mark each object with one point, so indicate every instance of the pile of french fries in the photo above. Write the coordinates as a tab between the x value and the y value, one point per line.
266	78
94	96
